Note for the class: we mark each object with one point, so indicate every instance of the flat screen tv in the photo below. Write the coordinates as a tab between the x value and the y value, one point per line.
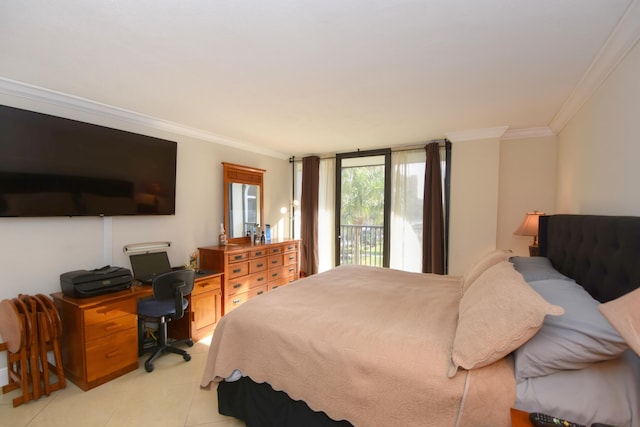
51	166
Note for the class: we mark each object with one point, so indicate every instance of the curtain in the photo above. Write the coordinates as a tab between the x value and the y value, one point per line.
407	181
309	216
433	249
326	214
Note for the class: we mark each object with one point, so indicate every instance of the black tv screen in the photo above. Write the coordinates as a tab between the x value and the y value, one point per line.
51	166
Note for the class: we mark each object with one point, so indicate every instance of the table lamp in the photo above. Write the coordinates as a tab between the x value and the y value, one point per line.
529	227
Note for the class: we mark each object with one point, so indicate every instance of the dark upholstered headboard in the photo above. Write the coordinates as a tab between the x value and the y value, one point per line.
601	253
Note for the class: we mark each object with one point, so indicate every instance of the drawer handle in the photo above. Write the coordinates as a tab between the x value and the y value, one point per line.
291	258
258	253
111	326
260	265
292	270
112	354
237	285
289	247
259	293
275	251
237	270
275	287
238	257
275	261
274	275
237	301
204	285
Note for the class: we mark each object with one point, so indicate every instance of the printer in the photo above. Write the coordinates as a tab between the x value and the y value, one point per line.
89	283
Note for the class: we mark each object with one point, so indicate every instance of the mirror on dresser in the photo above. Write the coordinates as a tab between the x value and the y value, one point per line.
243	200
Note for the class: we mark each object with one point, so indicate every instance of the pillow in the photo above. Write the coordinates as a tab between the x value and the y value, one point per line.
578	338
536	268
497	314
624	316
489	259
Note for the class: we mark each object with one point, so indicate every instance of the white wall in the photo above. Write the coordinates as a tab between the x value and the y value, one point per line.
599	149
474	201
527	182
35	251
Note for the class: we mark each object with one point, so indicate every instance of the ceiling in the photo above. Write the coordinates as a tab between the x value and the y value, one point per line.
296	77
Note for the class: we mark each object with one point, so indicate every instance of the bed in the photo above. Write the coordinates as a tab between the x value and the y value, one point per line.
367	346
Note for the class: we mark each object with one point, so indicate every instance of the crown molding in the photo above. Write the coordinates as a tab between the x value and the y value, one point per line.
623	38
472	134
537	132
71	102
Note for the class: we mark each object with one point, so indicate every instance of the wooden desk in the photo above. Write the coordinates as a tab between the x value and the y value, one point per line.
520	418
100	334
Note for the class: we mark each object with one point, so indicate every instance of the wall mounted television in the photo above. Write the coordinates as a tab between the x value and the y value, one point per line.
52	166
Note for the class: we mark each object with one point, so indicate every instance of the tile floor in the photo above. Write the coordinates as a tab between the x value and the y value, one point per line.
169	396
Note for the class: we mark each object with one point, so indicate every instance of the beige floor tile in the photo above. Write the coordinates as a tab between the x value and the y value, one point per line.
169	396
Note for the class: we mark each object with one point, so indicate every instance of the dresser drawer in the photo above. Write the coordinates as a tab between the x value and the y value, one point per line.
238	269
239	299
292	247
289	271
279	283
242	256
276	250
243	284
290	258
111	353
110	311
257	253
109	327
275	261
257	265
205	285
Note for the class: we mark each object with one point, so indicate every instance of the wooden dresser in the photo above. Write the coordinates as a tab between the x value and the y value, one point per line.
251	269
99	335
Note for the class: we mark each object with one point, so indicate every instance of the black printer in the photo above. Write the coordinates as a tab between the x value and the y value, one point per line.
89	283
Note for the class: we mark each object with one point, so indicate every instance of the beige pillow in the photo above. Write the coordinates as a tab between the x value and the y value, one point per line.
488	260
497	314
624	314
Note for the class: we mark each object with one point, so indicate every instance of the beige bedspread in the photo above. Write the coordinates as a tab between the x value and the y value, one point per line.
369	345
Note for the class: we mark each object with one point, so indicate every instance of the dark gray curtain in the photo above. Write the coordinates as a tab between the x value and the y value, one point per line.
433	248
309	215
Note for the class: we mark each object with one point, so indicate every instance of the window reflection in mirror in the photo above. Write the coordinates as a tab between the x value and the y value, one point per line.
244	209
243	200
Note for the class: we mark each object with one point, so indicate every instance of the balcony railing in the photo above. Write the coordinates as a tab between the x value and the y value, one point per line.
361	244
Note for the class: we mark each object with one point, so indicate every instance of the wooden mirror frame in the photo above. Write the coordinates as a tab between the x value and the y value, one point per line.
233	173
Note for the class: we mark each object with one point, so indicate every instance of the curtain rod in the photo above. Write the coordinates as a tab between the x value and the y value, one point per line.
441	142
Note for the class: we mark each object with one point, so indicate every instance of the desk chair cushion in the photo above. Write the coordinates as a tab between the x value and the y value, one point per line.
151	307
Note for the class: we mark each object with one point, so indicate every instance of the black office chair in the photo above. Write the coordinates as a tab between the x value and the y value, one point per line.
167	304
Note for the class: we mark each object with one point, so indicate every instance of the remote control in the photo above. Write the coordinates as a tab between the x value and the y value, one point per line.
543	420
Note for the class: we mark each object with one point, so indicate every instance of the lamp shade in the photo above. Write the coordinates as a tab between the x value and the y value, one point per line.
529	226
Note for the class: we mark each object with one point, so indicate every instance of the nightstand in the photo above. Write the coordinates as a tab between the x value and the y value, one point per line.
520	418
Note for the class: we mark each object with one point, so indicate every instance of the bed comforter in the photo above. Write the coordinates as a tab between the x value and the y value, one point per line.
369	345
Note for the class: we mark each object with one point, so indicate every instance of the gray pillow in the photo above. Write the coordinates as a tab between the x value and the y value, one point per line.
536	268
576	339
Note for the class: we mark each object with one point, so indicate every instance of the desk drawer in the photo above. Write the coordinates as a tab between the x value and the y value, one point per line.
205	285
110	311
111	353
109	327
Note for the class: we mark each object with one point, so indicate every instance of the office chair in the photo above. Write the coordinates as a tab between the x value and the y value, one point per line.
167	304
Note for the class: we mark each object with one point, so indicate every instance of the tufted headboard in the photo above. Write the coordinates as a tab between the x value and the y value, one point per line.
601	253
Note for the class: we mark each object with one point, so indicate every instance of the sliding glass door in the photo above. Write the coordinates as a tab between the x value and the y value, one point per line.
363	190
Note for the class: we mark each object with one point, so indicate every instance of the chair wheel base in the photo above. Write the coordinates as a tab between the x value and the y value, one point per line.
189	342
148	366
186	357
